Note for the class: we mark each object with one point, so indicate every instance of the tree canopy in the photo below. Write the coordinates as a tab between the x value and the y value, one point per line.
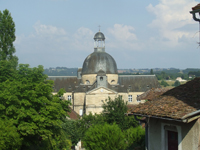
27	100
7	37
114	112
102	137
164	83
177	83
31	117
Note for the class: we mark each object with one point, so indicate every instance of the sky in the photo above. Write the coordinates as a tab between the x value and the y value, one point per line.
139	34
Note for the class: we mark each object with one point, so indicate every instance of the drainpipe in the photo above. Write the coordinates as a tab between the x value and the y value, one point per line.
146	131
73	98
84	105
190	114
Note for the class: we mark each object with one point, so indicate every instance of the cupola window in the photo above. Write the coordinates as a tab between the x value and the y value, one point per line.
87	82
112	81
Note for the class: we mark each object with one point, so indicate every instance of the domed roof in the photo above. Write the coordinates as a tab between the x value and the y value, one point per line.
99	61
99	36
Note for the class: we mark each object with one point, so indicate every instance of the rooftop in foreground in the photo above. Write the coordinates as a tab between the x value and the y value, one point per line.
176	103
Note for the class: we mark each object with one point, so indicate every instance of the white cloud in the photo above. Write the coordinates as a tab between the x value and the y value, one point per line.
82	39
123	36
42	29
123	32
171	18
51	45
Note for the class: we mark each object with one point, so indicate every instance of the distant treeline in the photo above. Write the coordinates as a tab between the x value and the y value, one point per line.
169	74
61	71
161	73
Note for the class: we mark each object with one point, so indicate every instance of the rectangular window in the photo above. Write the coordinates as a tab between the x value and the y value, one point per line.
138	100
69	97
129	98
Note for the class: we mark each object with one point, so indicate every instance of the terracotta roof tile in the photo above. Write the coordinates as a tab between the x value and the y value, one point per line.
174	103
73	115
152	93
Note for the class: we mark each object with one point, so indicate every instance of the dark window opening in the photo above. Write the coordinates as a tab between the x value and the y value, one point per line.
172	140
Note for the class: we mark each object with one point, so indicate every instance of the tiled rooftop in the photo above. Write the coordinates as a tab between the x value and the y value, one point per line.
73	115
152	93
174	103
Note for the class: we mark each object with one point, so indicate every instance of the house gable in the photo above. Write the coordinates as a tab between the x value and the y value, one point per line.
101	90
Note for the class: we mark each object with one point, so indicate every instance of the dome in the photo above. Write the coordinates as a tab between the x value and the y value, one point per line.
99	61
99	36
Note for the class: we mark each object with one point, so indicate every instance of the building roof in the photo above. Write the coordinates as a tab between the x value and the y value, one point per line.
69	83
136	83
99	61
73	115
99	36
127	83
152	93
176	103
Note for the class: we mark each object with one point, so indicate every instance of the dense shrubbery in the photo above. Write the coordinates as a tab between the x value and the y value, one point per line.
102	137
110	136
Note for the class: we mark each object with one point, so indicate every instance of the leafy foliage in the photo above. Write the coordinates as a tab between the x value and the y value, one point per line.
114	112
135	137
72	129
9	137
102	137
28	101
31	117
151	71
164	83
177	83
7	37
87	121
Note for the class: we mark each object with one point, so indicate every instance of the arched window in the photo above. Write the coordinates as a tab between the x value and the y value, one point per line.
101	78
112	81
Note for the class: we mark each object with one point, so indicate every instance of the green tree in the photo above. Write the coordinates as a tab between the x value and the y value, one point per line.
72	129
87	121
7	37
135	138
104	137
114	112
151	72
7	72
28	102
177	83
164	83
9	137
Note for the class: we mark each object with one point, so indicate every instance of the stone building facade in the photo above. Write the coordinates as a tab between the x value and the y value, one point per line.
98	79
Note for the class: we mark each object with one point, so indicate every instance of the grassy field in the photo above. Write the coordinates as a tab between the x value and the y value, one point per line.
171	82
